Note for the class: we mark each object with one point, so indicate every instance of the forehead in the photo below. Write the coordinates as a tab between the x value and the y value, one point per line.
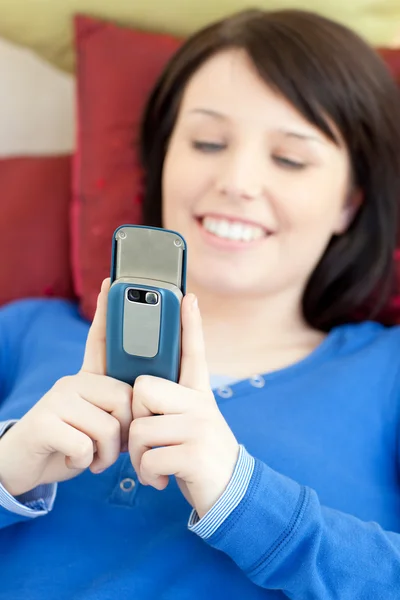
229	83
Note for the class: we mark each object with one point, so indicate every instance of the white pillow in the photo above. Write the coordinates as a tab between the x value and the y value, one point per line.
37	114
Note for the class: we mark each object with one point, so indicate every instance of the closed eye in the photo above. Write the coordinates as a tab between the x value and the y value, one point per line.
289	164
208	146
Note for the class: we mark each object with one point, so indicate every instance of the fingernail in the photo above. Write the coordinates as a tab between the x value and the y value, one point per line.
97	471
195	303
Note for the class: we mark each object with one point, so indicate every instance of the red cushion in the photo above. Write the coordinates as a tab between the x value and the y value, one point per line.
391	313
34	237
117	67
391	57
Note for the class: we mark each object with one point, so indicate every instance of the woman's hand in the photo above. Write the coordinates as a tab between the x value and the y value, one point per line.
178	428
83	421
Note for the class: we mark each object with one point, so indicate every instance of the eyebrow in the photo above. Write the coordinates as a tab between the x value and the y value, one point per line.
286	132
301	136
209	112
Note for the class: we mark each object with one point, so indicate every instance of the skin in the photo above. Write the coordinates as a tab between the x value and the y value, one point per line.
247	174
268	165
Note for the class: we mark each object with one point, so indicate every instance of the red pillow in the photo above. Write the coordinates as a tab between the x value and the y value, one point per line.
34	238
391	313
116	69
391	56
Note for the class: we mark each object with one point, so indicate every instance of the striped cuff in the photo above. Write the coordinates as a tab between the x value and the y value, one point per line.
34	503
5	425
229	500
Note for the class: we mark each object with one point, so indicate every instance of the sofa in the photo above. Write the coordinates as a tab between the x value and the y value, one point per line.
76	77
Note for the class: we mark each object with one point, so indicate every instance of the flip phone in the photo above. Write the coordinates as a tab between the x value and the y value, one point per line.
148	282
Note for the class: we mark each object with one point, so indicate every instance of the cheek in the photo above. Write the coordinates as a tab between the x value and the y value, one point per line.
314	204
184	182
174	187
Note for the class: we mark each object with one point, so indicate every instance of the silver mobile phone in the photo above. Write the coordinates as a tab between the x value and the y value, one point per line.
143	317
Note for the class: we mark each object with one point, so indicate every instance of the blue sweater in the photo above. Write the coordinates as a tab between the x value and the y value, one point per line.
320	515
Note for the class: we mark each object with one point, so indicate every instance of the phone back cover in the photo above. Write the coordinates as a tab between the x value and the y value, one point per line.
127	367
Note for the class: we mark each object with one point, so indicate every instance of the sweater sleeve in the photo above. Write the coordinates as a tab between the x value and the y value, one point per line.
15	320
284	539
32	504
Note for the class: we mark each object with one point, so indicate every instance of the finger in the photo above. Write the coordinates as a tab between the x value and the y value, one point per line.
158	463
95	352
146	433
72	443
99	426
194	372
156	396
111	395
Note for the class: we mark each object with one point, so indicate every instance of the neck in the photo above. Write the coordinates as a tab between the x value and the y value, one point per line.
253	335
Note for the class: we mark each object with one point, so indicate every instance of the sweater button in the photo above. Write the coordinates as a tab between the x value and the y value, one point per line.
127	484
257	381
225	392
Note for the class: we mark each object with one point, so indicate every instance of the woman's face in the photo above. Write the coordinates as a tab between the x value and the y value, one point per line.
255	189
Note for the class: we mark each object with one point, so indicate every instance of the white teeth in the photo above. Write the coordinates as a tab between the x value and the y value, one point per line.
233	230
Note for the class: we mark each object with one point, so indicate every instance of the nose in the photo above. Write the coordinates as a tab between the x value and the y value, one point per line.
241	176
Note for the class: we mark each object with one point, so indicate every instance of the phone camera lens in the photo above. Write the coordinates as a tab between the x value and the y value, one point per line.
133	295
151	298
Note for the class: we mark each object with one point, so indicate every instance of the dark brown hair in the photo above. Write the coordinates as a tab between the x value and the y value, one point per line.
328	73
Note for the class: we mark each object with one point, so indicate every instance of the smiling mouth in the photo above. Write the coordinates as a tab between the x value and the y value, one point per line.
229	229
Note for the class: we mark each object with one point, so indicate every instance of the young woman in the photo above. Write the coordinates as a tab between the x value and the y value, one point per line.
272	143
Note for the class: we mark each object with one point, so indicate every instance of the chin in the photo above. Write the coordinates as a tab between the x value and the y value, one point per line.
223	282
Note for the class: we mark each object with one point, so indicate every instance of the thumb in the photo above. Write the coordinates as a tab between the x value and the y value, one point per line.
194	371
95	352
